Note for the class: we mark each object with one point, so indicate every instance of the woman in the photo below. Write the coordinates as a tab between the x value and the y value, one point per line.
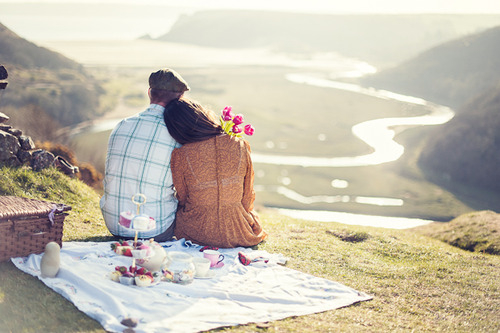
213	176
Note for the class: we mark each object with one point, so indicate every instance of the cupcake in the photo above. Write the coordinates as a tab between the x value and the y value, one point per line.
143	280
115	276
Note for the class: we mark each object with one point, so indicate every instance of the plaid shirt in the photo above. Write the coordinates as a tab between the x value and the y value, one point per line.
138	161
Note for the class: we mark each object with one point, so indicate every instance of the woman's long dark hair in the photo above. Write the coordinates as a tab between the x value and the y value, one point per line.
188	121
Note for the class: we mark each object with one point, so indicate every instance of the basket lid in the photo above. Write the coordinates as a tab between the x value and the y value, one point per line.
11	206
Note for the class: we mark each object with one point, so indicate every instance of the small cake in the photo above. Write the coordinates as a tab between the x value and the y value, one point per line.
115	276
126	218
143	280
140	222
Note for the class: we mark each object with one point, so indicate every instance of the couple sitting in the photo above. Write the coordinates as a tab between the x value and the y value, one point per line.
198	181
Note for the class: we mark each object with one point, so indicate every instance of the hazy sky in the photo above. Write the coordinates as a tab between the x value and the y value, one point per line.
332	6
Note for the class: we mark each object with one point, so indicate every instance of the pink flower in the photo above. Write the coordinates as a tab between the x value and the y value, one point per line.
249	130
226	113
238	119
236	129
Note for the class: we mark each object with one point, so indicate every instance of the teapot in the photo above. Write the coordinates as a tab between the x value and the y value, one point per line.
157	261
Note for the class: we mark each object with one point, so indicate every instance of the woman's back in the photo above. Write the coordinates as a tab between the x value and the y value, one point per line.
214	183
214	170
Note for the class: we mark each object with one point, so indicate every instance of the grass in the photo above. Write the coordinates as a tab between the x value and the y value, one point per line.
419	283
476	232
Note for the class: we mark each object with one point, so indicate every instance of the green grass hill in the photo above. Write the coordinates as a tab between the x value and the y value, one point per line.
465	151
419	283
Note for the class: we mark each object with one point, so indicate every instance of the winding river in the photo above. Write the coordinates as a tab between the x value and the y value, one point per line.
379	135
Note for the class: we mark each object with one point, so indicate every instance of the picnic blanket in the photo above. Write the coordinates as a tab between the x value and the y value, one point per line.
237	294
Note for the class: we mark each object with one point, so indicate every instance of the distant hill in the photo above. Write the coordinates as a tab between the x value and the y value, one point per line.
57	87
467	149
450	74
15	50
462	73
378	39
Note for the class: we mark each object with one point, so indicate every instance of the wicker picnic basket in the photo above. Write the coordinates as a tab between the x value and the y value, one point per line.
27	225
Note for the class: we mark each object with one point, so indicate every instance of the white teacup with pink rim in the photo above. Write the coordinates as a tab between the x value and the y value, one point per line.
202	267
215	258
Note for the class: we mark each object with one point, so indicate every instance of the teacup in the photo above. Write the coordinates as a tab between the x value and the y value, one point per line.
215	257
202	266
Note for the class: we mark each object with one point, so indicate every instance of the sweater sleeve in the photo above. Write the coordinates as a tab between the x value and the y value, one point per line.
177	162
248	191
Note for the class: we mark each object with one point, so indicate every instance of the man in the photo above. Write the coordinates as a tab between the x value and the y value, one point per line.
138	161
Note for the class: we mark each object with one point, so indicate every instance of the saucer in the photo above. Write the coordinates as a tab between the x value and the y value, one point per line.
210	274
218	265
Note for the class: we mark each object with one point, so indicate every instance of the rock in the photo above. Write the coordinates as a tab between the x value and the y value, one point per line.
15	132
9	145
3	73
129	322
26	142
25	156
42	159
3	118
65	167
13	161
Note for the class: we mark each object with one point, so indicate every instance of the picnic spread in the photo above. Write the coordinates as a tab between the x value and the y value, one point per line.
243	286
174	286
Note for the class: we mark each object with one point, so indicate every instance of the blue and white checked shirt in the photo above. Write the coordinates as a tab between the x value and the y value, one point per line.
138	161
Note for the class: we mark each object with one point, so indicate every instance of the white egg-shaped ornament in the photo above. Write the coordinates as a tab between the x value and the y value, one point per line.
51	260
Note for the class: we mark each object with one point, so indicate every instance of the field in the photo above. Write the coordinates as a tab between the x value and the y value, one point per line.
293	119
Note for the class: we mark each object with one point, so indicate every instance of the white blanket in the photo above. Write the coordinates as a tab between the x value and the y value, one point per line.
236	295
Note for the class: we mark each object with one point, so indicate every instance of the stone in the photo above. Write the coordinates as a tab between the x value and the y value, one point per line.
3	73
3	118
130	322
25	156
26	142
15	132
13	161
9	145
42	159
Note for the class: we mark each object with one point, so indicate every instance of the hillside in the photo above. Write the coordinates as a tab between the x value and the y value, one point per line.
461	155
450	74
466	150
418	283
42	82
377	39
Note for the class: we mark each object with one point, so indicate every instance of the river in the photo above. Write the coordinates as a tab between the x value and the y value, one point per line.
378	134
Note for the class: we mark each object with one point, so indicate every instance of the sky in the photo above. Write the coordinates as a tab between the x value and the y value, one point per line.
330	6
